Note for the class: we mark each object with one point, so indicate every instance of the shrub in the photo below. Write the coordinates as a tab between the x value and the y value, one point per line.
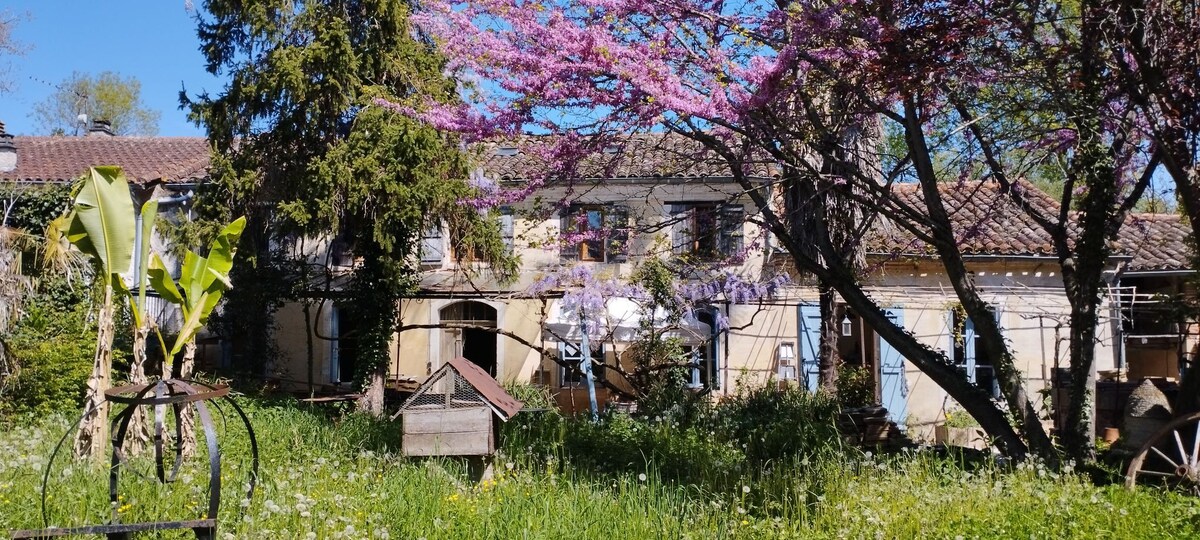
855	387
776	424
53	350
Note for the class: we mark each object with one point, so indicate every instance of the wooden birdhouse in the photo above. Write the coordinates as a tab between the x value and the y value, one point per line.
454	412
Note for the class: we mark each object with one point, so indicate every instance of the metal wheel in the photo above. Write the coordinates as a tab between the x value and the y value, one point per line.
1171	458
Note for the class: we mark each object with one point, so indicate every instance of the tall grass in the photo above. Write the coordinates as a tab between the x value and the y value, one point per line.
632	478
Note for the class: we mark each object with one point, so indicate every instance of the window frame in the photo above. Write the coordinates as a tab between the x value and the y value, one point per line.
611	247
726	238
570	358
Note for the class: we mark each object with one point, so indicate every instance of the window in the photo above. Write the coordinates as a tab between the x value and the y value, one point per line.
596	233
706	230
970	357
569	372
432	246
705	371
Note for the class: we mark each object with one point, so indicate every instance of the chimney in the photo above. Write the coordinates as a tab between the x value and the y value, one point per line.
8	151
100	128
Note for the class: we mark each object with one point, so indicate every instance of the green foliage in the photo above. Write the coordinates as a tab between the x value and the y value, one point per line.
855	387
52	345
34	207
958	418
106	96
773	425
711	446
101	222
329	476
316	157
202	282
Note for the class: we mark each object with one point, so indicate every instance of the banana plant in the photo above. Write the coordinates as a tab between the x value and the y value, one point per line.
202	282
101	225
139	429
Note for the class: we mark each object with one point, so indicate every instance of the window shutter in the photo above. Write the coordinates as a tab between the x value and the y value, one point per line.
432	246
616	223
681	229
567	353
732	222
566	224
506	227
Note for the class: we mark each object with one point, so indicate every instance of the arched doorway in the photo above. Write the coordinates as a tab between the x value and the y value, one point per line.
475	344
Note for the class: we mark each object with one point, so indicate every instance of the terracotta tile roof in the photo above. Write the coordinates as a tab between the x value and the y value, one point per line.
989	223
1157	242
62	159
652	155
986	221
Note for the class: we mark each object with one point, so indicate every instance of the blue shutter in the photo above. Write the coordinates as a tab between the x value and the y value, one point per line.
969	349
892	382
810	343
334	359
987	374
715	372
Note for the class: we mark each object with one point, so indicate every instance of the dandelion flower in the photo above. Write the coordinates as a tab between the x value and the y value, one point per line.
641	477
745	489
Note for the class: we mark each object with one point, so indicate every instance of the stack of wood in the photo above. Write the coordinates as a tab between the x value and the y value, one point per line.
869	427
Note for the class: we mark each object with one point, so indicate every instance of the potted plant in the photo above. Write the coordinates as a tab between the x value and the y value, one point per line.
960	429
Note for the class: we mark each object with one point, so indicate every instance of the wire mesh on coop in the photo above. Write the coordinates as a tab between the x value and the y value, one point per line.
453	413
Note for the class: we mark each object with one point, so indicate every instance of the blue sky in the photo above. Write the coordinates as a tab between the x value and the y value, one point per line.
152	40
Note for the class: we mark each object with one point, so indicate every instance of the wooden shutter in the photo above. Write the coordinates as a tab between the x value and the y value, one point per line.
731	221
506	227
616	224
432	244
809	345
681	229
566	225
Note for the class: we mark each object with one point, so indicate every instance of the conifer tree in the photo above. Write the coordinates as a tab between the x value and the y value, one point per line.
303	152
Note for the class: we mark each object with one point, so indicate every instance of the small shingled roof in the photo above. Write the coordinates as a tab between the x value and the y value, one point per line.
504	405
174	160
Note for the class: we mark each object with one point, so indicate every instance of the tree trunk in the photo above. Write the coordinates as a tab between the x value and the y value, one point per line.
308	342
139	426
827	353
187	420
92	436
933	363
372	400
1012	383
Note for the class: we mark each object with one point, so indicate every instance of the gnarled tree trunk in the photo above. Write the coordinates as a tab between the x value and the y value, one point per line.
827	353
187	420
92	436
139	426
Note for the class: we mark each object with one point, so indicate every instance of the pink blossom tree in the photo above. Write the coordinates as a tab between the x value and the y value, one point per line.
804	89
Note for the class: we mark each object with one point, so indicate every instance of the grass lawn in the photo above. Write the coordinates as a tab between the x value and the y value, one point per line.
323	478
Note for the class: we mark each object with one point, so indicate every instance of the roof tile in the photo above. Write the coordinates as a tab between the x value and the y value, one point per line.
144	159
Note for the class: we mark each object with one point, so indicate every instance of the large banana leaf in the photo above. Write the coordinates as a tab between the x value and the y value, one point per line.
102	221
202	274
202	281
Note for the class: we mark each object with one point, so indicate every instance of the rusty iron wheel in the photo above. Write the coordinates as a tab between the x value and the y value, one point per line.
1170	458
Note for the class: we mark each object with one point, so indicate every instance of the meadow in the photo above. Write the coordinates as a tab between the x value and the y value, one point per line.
706	474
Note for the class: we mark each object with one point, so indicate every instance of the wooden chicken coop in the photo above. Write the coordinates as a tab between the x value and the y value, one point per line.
454	412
